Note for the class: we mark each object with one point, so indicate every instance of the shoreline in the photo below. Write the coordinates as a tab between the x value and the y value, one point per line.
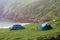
11	24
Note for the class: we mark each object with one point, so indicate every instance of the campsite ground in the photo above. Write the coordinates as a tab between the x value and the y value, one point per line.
31	32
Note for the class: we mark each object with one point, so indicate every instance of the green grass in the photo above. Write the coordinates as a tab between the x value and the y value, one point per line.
31	32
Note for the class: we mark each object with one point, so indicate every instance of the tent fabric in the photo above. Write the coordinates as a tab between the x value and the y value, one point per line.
16	27
45	26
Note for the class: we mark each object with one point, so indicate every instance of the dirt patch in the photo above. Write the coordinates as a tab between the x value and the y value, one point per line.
53	38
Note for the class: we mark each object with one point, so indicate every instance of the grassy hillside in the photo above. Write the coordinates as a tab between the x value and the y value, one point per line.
30	10
8	7
42	10
31	32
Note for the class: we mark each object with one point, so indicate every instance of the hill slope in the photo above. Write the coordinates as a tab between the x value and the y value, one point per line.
31	11
41	10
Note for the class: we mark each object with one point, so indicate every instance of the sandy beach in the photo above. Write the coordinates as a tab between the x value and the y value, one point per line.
11	24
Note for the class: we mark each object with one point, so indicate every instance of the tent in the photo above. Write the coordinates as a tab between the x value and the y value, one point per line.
16	27
45	26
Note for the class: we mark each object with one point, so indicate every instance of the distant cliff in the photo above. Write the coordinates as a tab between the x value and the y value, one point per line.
30	11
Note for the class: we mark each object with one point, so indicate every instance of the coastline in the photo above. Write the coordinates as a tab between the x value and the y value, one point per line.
11	24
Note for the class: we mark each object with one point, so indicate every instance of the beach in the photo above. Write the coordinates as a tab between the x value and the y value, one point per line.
7	25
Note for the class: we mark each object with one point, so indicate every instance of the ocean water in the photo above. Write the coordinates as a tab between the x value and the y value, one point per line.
7	24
